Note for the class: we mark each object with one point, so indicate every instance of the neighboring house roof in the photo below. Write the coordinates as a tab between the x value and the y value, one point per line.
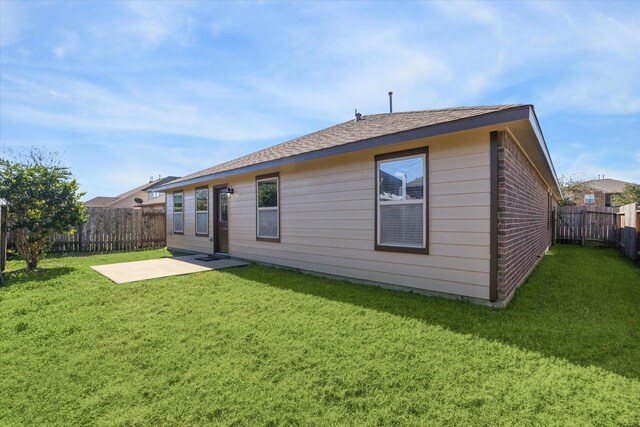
610	186
105	202
100	202
375	130
160	182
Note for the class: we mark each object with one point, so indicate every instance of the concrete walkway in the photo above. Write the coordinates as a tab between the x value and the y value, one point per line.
126	272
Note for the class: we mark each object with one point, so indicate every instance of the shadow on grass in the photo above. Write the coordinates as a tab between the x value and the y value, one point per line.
39	275
579	305
62	255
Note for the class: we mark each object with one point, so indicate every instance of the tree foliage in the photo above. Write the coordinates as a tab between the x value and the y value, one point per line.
267	194
43	198
569	187
630	194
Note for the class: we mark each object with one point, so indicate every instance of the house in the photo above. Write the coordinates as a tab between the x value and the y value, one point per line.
455	202
151	198
598	192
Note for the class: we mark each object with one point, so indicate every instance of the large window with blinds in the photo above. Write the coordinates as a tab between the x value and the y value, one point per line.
268	208
401	201
202	211
178	214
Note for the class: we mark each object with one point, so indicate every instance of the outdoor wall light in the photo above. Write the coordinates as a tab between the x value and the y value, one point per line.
230	189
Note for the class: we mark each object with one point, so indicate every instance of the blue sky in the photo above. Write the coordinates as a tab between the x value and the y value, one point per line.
125	90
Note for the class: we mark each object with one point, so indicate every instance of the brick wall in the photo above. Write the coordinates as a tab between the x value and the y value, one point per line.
600	199
524	216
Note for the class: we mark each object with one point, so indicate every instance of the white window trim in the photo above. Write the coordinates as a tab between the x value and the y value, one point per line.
206	190
423	201
270	208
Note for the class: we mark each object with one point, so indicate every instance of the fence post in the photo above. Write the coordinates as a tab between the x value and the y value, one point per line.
3	239
584	228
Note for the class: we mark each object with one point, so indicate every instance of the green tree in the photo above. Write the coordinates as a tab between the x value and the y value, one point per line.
43	198
569	187
630	194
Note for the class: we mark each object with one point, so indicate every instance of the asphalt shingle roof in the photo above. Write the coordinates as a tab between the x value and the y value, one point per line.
101	202
370	126
607	185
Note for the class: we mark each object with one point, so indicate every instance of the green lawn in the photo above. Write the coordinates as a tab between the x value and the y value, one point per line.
260	346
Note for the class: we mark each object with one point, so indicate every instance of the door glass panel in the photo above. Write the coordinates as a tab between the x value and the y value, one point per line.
224	206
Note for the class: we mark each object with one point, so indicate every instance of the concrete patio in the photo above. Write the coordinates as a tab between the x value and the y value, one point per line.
126	272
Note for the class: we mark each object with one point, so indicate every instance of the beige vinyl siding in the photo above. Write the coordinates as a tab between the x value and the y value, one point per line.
188	240
327	210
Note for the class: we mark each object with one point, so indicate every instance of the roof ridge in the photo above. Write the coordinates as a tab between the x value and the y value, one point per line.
463	107
371	126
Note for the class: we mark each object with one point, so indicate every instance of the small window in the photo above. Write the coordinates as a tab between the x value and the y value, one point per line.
202	211
401	201
268	210
589	199
154	195
178	215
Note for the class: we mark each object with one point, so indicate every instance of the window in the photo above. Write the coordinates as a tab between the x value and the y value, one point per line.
154	195
178	215
589	199
401	201
202	211
268	210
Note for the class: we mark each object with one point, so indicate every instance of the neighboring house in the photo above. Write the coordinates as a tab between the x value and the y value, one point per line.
598	192
458	201
150	196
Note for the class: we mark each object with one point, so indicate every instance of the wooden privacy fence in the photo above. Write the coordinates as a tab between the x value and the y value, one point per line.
629	230
591	226
113	229
3	238
586	226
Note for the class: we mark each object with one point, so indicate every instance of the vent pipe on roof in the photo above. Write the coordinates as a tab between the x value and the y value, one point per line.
151	178
358	116
391	102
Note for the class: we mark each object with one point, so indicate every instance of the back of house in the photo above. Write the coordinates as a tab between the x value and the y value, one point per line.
457	202
597	192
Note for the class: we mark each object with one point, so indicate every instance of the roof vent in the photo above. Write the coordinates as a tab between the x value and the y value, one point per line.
391	102
151	178
358	116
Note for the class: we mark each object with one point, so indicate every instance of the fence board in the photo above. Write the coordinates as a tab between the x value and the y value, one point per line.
113	229
629	236
3	238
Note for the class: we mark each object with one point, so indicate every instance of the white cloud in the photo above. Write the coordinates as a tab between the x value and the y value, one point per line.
59	52
589	164
157	22
11	22
76	105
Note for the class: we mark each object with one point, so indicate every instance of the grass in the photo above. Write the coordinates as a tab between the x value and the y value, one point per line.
260	346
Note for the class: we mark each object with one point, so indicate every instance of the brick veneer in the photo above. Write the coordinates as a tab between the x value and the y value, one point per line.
600	198
524	217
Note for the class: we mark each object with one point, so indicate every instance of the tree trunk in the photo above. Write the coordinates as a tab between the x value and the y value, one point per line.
31	248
